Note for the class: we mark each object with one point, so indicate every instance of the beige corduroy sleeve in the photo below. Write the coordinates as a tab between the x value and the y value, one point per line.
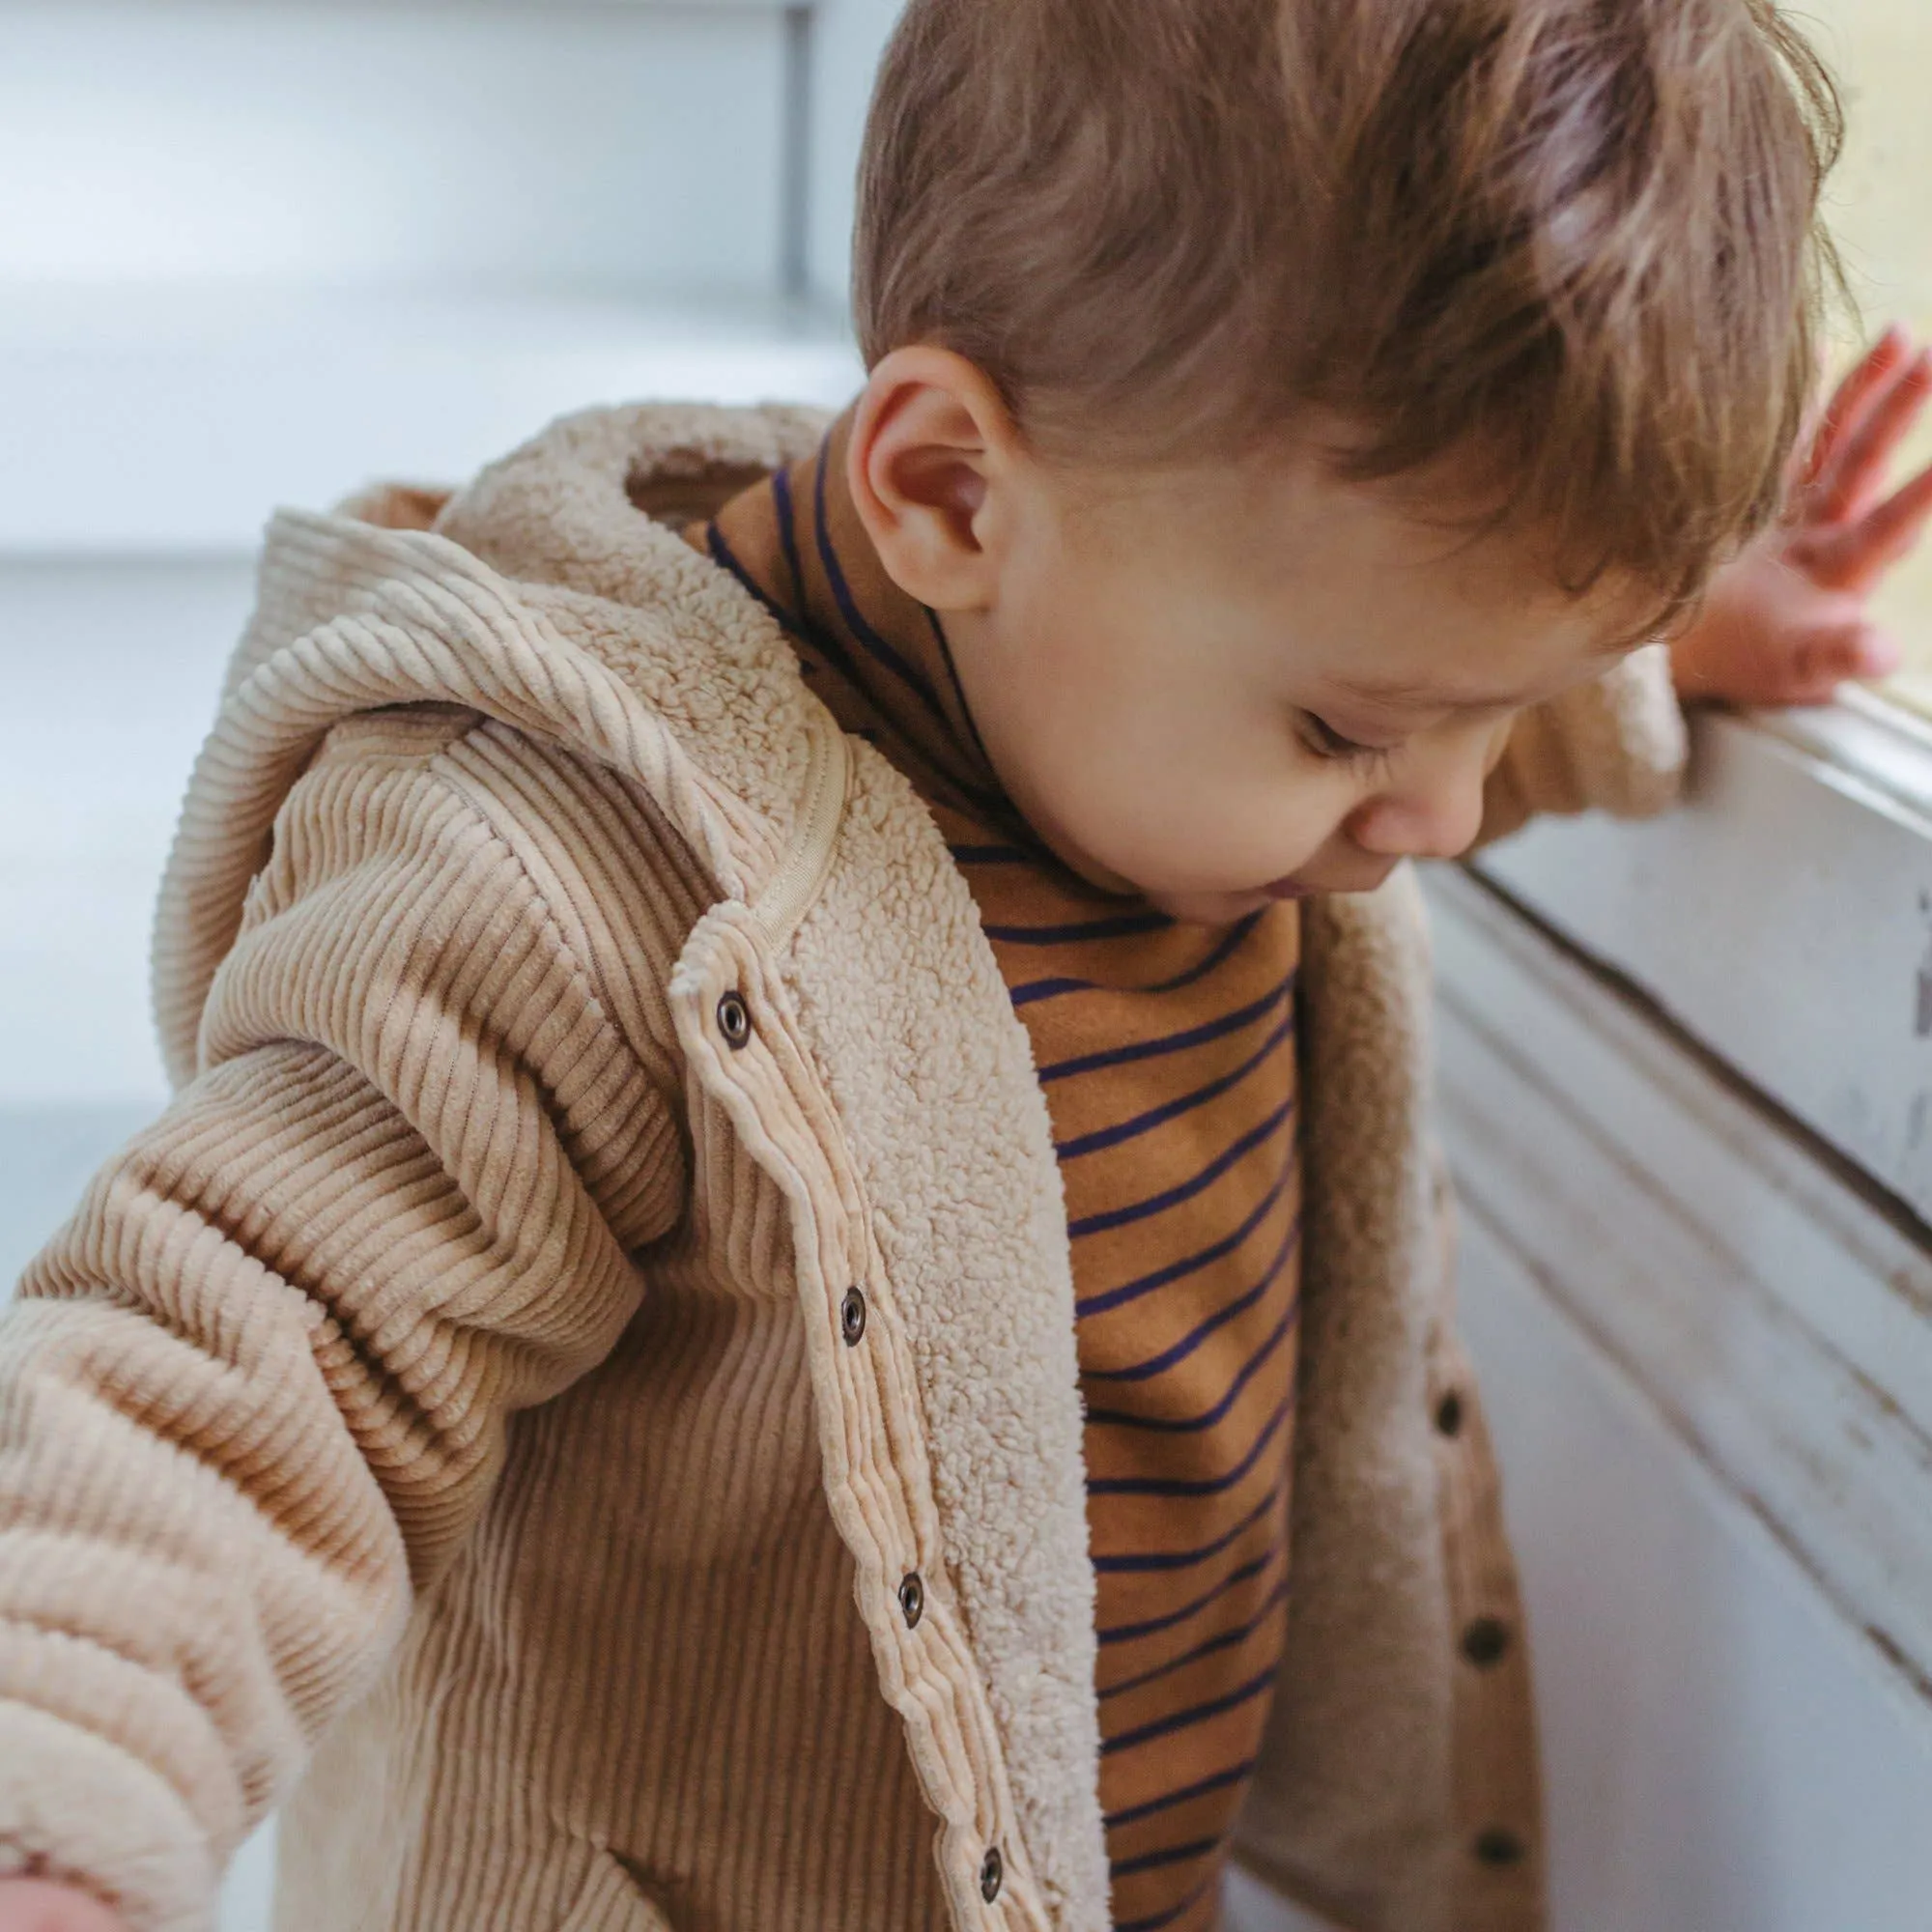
1616	744
255	1391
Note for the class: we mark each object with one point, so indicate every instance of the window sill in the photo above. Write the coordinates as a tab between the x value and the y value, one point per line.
1709	1365
147	422
1783	916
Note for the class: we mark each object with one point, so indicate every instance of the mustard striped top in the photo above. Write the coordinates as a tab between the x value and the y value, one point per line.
1166	1053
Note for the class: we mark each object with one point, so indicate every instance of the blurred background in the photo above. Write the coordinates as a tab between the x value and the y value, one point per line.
263	252
1881	206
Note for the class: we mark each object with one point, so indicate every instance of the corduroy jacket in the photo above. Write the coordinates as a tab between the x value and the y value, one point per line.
576	1398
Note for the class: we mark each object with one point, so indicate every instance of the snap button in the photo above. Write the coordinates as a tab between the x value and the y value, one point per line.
734	1019
1497	1847
992	1874
912	1599
1449	1414
1484	1640
852	1318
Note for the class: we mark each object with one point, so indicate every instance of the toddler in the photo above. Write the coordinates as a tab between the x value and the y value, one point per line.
795	1280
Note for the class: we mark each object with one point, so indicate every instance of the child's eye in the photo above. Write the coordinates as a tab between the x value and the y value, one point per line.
1325	742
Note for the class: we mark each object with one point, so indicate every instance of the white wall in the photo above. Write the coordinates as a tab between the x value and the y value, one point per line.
341	141
257	251
848	38
111	674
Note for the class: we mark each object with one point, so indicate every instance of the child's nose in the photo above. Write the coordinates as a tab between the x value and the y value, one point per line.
1432	811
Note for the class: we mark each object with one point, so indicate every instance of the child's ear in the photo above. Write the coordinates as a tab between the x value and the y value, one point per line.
932	442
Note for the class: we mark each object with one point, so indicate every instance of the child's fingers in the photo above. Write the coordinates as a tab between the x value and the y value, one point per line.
1872	372
1876	653
1853	556
1858	467
37	1905
1832	658
1887	531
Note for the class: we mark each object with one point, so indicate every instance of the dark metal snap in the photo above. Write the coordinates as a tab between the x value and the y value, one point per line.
734	1019
1497	1847
912	1599
992	1874
1449	1414
852	1318
1484	1640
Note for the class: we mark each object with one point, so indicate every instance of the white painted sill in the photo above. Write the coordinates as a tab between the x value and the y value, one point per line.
1709	1359
169	422
1783	916
1768	1305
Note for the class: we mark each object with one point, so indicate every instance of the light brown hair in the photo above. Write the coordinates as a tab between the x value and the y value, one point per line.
1576	238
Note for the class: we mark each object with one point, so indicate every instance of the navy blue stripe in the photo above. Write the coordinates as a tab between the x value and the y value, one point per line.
723	554
1186	1190
1129	1633
800	627
1188	1425
1174	1043
816	637
1225	1641
909	674
788	533
975	801
1197	1714
1025	994
1171	1855
944	645
1146	1284
1123	926
1048	989
1220	1781
1204	1486
1172	1912
1140	1372
991	855
1155	1117
1164	1560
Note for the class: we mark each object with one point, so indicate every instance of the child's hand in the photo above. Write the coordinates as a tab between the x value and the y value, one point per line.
32	1905
1786	622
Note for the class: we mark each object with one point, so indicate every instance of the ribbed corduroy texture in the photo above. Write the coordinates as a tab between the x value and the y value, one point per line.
681	1480
259	1387
462	1350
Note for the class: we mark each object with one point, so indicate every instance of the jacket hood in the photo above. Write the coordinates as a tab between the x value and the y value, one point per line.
552	593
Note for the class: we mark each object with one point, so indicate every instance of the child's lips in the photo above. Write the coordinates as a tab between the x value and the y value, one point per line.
1289	889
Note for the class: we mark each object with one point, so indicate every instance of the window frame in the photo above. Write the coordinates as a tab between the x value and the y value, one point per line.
1781	914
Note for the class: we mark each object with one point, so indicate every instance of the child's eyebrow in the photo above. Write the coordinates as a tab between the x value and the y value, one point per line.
1418	694
1422	696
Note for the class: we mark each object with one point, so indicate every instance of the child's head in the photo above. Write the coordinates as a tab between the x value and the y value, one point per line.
1252	376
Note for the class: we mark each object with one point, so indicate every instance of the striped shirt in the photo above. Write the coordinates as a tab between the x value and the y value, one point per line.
1166	1053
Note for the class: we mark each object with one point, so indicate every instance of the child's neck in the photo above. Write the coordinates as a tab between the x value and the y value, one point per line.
877	657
